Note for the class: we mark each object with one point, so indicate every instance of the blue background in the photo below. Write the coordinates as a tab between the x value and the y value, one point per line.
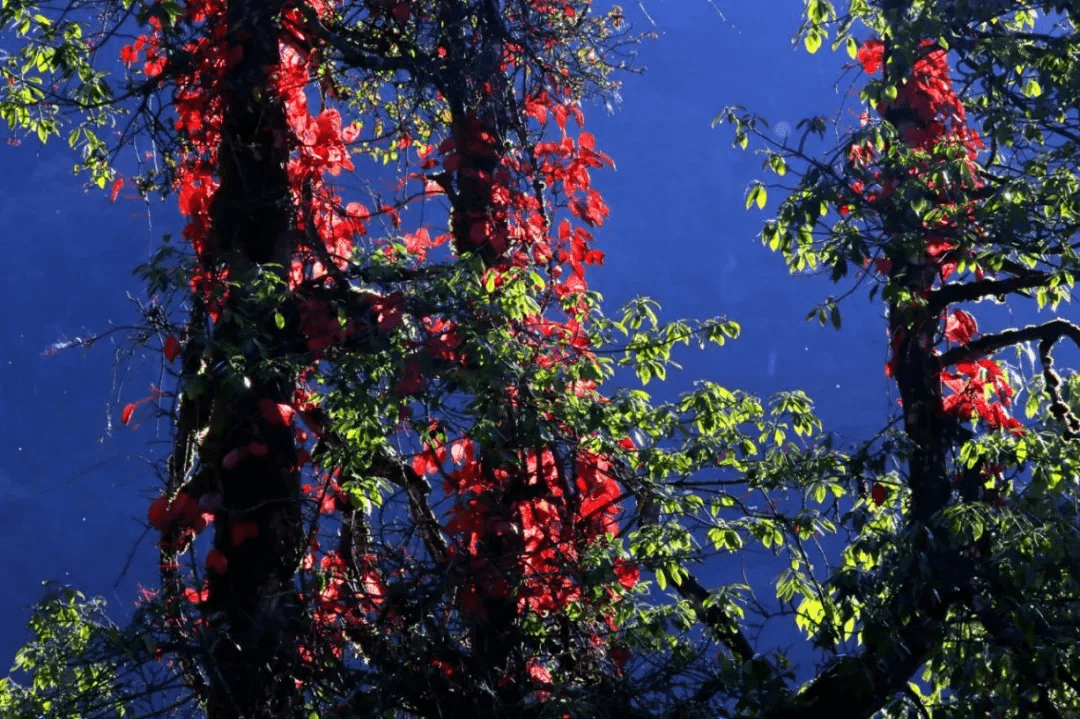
73	496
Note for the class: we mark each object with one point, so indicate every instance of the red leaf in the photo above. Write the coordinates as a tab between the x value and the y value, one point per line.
619	655
417	244
871	55
442	666
960	327
990	366
953	381
938	246
878	493
234	457
947	268
538	672
154	65
243	530
410	380
579	116
185	509
117	185
393	214
159	513
125	416
278	415
389	311
627	573
458	450
564	230
537	111
216	561
400	11
172	348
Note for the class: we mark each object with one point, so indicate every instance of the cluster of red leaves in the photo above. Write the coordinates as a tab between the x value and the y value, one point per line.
199	109
339	605
566	164
521	529
323	328
149	47
320	148
974	383
481	214
929	108
928	115
180	518
501	219
318	143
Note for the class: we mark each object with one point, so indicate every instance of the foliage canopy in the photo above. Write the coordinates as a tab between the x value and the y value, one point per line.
399	485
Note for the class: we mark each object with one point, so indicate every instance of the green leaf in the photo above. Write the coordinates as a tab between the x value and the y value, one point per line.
757	195
778	165
1031	407
852	47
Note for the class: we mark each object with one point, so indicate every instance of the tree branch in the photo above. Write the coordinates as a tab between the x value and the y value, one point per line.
1050	332
972	291
723	627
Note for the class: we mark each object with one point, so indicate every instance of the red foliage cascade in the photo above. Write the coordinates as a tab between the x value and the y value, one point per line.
517	528
929	115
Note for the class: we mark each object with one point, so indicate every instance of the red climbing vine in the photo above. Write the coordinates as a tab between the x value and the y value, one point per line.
931	122
509	521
